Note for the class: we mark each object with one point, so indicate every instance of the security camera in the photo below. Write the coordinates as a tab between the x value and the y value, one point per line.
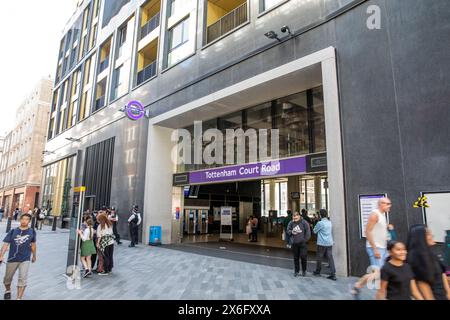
285	29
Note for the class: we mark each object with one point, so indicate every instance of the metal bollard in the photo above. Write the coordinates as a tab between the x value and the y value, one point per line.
8	225
54	223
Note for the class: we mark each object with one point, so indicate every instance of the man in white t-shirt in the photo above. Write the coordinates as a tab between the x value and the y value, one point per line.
376	243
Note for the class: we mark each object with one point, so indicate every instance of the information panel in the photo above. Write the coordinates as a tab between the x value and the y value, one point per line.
367	203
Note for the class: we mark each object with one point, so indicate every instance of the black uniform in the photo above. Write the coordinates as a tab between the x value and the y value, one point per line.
134	222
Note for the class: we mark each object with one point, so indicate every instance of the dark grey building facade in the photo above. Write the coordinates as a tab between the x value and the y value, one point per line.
392	85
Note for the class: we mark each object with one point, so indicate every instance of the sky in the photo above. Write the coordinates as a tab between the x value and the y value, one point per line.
30	32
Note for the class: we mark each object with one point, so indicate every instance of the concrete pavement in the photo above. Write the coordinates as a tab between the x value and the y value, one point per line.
159	273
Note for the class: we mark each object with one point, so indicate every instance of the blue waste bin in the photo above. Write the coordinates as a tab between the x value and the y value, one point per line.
155	235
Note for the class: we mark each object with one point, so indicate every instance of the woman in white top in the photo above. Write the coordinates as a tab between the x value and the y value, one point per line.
105	242
87	247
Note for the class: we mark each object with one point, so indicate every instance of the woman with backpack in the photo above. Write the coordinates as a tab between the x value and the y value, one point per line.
87	247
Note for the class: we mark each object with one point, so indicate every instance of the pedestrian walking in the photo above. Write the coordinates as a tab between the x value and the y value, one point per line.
133	222
99	255
428	270
323	229
114	218
397	278
21	243
2	211
105	243
248	228
33	218
377	237
300	232
306	217
286	221
16	214
87	247
392	233
255	229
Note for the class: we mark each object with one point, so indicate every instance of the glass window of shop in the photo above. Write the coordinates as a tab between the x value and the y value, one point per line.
299	118
211	124
280	198
57	187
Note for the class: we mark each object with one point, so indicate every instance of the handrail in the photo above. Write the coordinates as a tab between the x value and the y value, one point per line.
151	25
146	73
228	22
103	65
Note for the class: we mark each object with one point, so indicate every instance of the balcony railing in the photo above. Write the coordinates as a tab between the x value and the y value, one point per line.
103	65
147	73
99	103
227	23
151	25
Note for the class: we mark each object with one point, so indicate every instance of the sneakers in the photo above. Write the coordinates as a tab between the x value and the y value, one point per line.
304	274
103	273
296	274
87	273
356	293
7	295
332	277
316	274
131	246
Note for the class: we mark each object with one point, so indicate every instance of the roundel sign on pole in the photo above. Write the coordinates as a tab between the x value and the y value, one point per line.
134	110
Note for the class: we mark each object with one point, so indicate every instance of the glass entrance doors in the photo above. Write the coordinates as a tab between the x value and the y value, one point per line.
195	221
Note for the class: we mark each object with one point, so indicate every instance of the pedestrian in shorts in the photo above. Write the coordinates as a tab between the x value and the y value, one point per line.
21	243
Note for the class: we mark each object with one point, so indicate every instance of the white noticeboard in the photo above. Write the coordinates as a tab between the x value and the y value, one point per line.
367	203
225	216
226	220
437	215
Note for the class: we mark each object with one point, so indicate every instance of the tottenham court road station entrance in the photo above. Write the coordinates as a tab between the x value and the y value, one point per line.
267	198
198	202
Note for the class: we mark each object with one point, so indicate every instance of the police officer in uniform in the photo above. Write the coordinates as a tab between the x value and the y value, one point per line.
134	221
114	218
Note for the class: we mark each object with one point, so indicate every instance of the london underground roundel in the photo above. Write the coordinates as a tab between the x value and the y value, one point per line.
134	110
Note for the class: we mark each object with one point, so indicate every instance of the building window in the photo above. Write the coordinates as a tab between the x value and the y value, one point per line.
96	8
147	62
172	7
84	37
57	183
265	5
86	91
178	36
150	17
105	53
100	99
224	16
122	39
118	83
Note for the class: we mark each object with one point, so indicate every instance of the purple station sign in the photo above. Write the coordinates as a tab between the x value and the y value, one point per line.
259	170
